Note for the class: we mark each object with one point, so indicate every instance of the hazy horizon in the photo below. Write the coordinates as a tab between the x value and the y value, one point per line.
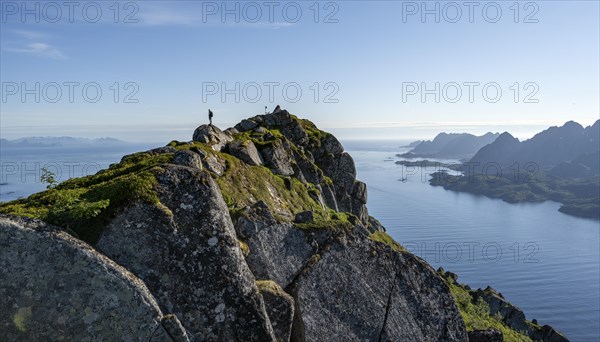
151	72
390	133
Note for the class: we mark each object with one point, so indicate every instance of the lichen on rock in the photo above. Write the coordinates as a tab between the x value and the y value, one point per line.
55	287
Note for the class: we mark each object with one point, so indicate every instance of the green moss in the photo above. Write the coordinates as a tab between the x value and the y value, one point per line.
21	317
477	315
83	206
260	139
177	143
270	286
244	247
328	224
315	135
383	237
242	185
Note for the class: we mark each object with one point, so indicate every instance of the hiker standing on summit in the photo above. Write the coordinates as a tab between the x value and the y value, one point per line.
210	116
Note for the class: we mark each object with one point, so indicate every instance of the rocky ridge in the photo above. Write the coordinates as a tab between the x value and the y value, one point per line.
256	233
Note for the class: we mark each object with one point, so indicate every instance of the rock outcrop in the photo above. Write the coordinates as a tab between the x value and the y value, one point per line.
187	253
245	151
491	304
213	136
54	287
311	156
256	233
488	335
514	317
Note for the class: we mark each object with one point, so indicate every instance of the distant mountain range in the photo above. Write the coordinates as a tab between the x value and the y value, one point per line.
561	164
59	142
569	150
450	146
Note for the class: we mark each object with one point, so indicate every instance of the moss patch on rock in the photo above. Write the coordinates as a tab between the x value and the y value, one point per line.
270	287
477	315
383	237
242	185
84	205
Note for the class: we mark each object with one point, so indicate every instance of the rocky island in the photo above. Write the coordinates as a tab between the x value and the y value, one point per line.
256	233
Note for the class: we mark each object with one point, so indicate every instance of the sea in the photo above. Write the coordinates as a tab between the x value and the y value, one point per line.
545	262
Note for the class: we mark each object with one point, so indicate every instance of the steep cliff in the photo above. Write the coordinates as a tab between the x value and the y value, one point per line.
256	233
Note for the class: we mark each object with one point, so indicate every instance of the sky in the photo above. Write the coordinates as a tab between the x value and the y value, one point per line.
148	71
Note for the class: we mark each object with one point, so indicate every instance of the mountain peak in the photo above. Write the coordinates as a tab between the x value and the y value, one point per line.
572	125
506	137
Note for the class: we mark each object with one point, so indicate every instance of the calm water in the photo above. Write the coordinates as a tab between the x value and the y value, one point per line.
543	261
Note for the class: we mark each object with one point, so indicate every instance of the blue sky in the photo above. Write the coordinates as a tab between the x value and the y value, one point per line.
365	58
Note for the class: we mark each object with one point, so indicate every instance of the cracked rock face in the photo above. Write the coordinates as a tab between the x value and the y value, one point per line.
187	253
55	287
359	290
348	287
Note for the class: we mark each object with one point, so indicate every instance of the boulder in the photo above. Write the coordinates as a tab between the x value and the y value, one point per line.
280	307
212	135
276	119
55	287
231	131
245	151
489	335
210	162
246	125
188	158
260	130
277	158
332	145
185	249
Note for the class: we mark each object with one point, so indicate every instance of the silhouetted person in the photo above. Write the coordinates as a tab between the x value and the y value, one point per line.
277	109
210	116
266	110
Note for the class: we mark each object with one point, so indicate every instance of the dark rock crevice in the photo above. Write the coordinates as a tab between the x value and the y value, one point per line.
381	337
314	258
